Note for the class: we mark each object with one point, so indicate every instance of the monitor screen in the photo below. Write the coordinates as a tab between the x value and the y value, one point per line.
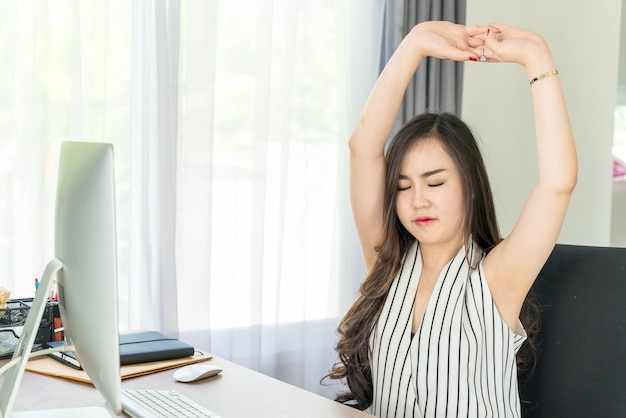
86	262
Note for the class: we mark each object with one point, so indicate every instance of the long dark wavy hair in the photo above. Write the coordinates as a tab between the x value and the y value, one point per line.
353	346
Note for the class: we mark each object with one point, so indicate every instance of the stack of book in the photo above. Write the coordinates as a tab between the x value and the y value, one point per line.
135	347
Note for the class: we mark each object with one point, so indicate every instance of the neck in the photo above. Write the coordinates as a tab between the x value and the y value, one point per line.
435	256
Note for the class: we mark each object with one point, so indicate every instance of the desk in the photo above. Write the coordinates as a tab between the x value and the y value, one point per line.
236	392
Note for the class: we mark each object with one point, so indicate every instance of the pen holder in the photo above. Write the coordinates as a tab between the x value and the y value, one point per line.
13	318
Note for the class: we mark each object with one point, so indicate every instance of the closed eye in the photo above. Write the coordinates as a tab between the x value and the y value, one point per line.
401	189
436	184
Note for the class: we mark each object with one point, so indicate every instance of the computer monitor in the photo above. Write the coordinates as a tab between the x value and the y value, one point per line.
86	263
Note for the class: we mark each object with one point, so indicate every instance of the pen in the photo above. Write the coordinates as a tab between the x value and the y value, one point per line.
66	359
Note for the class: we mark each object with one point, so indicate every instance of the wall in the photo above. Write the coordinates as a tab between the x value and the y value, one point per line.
621	78
618	229
584	37
618	213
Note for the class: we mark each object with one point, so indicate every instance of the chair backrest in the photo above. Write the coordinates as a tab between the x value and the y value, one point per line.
581	369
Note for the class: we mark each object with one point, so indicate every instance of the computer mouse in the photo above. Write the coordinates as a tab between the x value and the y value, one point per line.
195	372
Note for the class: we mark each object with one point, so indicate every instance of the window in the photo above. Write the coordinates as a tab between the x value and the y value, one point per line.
260	151
260	99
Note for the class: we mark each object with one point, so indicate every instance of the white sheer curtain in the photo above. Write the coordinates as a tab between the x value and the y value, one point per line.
230	122
265	114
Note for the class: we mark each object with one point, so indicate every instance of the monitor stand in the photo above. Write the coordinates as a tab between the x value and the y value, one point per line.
14	375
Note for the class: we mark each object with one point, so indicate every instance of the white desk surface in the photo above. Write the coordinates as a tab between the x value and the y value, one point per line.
236	392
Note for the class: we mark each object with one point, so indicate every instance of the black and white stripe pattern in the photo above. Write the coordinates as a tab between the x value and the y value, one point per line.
461	362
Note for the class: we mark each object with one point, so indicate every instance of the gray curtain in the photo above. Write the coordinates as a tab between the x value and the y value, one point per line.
437	84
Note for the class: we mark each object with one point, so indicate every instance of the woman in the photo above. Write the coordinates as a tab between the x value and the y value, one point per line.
436	329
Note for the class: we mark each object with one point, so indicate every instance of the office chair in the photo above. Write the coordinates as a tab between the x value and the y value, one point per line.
581	366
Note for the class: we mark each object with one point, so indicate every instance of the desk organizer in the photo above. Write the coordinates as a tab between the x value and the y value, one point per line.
13	318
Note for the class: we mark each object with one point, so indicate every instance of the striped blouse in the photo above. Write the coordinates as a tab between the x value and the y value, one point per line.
460	363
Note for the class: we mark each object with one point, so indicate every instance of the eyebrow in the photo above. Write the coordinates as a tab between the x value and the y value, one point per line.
424	175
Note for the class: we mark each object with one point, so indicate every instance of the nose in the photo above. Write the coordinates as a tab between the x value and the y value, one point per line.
420	198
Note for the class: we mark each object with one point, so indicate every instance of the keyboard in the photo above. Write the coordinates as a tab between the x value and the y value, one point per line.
149	403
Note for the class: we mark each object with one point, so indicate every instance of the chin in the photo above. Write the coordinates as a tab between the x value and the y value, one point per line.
425	239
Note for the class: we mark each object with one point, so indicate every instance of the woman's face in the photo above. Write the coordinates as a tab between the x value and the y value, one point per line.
429	201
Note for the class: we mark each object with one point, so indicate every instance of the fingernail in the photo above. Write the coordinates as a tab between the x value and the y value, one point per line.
473	59
488	30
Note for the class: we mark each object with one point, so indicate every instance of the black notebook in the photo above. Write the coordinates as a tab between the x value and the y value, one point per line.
136	347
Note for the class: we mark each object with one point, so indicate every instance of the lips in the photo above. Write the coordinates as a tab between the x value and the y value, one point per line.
424	221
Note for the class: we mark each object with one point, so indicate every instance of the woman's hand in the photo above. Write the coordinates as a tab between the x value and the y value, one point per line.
509	44
448	40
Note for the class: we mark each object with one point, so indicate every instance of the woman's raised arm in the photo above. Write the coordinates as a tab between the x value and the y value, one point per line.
367	164
512	266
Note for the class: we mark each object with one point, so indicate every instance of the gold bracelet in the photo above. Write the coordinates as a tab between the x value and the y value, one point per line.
544	75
